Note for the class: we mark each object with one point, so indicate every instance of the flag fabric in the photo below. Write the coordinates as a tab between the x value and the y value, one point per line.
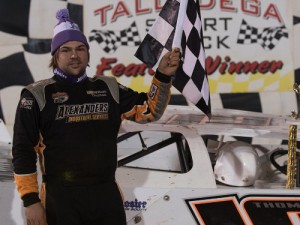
297	49
268	37
110	40
296	20
179	25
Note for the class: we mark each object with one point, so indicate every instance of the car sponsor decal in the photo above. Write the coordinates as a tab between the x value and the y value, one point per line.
247	210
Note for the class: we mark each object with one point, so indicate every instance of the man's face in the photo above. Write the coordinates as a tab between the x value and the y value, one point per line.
73	58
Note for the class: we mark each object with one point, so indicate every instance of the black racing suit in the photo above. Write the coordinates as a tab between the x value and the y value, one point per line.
73	130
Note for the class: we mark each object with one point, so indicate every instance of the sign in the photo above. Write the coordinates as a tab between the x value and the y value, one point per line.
247	42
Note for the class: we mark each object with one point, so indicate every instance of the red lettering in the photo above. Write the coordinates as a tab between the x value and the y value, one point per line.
211	4
151	71
131	70
105	65
225	67
121	10
225	6
235	68
229	67
276	66
139	10
250	67
118	70
102	12
251	9
272	11
212	65
158	6
264	67
134	70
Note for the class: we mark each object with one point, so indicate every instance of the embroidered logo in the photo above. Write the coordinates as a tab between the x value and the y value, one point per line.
135	205
97	93
60	97
84	112
153	91
26	103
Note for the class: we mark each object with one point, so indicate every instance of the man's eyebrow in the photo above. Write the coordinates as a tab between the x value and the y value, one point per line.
61	47
69	47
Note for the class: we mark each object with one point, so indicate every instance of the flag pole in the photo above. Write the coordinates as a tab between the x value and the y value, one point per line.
179	25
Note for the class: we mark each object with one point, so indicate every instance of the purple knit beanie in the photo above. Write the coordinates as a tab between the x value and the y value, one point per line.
66	30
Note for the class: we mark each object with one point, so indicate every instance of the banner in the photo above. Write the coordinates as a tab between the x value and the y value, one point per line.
251	48
247	43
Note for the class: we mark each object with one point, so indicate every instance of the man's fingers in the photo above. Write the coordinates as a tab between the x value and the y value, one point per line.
175	54
175	50
170	62
174	58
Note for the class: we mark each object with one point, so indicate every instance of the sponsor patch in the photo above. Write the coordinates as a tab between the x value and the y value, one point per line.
97	93
84	112
60	97
135	205
26	103
153	91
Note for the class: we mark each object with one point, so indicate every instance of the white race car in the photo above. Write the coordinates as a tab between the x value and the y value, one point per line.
187	170
184	169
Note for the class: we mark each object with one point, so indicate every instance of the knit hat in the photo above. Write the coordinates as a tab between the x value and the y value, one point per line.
66	30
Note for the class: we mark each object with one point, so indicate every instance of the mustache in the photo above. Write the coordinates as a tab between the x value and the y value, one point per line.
74	61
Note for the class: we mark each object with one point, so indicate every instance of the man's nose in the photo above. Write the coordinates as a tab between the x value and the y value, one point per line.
74	53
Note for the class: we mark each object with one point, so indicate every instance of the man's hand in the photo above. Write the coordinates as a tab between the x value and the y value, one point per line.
35	214
170	62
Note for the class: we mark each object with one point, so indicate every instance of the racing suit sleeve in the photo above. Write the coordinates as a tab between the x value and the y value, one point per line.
146	107
25	143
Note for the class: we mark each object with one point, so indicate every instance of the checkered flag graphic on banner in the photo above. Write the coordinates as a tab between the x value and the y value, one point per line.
268	38
110	40
180	22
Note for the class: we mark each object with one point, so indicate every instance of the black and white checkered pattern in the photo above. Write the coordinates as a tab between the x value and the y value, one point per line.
191	78
159	39
110	40
268	38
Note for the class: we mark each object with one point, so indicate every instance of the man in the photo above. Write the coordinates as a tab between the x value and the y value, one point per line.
71	122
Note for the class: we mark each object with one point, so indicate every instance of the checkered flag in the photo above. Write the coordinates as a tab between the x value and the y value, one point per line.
179	25
268	38
110	40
